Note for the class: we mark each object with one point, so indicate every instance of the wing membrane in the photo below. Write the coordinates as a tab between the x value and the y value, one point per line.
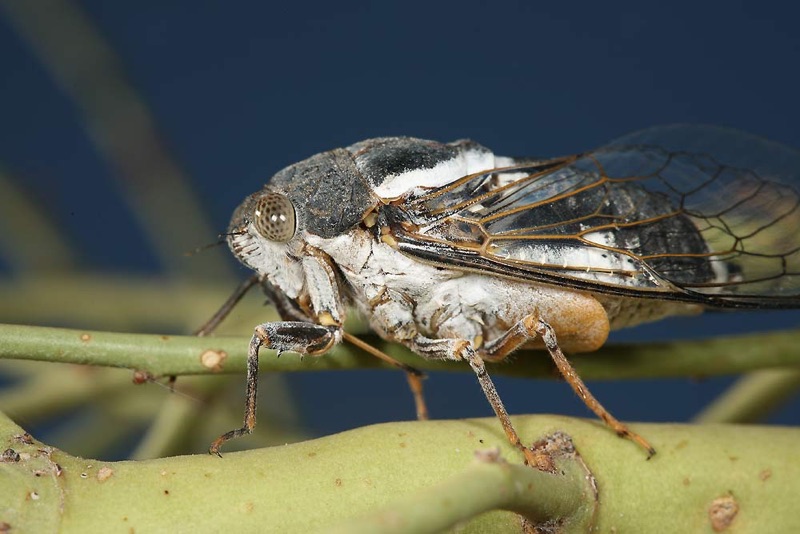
699	214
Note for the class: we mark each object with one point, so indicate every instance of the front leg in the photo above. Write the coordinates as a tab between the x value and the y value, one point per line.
294	336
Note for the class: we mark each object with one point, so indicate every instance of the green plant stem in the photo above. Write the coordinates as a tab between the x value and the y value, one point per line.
177	416
483	487
317	484
752	397
181	355
93	433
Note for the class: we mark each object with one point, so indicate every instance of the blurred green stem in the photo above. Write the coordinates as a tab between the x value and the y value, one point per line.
184	355
58	390
28	239
123	130
177	416
752	397
117	302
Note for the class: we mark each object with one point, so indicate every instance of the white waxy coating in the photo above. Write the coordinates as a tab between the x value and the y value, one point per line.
401	297
468	161
269	258
321	289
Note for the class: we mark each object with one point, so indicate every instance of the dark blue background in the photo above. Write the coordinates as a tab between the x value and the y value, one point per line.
242	89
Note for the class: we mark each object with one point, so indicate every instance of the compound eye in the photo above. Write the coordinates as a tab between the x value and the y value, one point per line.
274	217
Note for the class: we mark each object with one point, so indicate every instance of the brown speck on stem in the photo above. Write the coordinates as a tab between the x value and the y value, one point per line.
543	450
213	359
722	512
489	456
140	377
25	438
9	455
338	482
86	338
765	474
104	473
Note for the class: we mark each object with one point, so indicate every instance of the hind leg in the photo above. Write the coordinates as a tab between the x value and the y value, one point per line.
457	350
531	327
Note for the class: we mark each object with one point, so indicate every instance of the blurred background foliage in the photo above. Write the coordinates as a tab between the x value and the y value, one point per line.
131	131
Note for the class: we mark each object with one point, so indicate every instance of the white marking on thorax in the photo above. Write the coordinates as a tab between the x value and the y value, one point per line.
445	172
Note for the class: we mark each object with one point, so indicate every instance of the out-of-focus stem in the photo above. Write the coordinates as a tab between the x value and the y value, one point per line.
28	240
163	355
123	130
752	397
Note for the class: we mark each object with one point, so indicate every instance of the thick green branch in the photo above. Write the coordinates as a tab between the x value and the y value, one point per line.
318	484
566	496
184	355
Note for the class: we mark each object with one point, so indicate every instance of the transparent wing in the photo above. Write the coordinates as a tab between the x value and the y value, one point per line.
699	214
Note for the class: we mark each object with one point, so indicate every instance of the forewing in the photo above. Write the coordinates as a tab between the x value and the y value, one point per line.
700	214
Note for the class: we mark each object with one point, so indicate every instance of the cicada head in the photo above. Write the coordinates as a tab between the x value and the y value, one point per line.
324	196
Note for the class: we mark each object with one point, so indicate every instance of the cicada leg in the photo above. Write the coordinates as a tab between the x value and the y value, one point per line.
413	375
458	349
220	315
224	310
531	327
295	336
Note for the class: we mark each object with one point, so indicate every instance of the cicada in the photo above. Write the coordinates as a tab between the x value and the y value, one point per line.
463	255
